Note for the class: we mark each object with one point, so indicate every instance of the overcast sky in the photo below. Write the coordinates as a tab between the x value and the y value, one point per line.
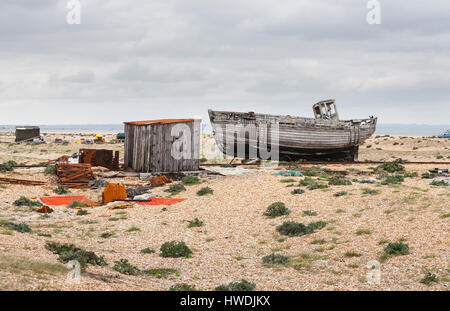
138	60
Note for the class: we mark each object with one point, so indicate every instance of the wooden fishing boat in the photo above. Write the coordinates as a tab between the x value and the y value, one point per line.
322	138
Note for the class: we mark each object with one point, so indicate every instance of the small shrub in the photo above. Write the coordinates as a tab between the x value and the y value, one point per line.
174	189
397	248
190	180
123	266
340	193
410	174
22	228
428	175
292	228
309	213
287	180
203	160
276	209
339	180
363	231
61	189
275	259
24	201
313	171
439	183
77	203
351	254
205	191
147	250
195	223
50	170
8	166
306	182
132	229
370	191
175	250
160	273
394	179
182	287
297	191
106	235
315	186
429	278
390	167
68	252
82	212
243	285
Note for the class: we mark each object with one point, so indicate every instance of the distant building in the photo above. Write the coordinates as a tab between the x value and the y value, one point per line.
27	133
169	145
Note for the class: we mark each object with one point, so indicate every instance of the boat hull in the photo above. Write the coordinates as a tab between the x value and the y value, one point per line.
295	138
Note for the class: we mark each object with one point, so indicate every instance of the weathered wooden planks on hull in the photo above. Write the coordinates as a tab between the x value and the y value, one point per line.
323	138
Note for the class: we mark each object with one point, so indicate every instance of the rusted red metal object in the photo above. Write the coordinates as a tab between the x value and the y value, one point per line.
74	175
100	157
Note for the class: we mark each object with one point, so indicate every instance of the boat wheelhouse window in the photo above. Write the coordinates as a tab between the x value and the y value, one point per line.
325	110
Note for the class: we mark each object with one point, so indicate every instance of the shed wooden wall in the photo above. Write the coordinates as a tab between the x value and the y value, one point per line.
148	148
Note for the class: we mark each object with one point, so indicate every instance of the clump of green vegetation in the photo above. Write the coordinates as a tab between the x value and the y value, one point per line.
397	248
182	287
22	228
297	191
174	189
24	201
287	180
243	285
309	213
363	231
205	191
439	183
428	175
393	179
77	203
123	266
132	229
226	165
106	235
50	170
275	259
203	160
351	254
370	191
340	193
195	223
306	182
160	273
68	252
147	250
190	180
429	278
390	167
315	186
339	180
410	174
8	166
313	171
82	212
292	228
276	209
61	189
175	250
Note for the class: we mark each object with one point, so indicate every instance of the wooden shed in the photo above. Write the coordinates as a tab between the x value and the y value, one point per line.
27	133
169	145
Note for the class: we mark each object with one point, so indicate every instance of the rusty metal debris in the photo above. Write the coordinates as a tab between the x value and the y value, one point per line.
441	172
100	157
74	175
14	181
45	210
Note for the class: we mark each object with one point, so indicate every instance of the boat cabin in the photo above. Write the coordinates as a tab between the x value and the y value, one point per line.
326	109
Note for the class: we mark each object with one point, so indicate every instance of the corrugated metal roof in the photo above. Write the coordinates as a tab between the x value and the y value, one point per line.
162	121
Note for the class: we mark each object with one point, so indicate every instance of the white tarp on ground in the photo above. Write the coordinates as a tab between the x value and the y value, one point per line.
227	171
